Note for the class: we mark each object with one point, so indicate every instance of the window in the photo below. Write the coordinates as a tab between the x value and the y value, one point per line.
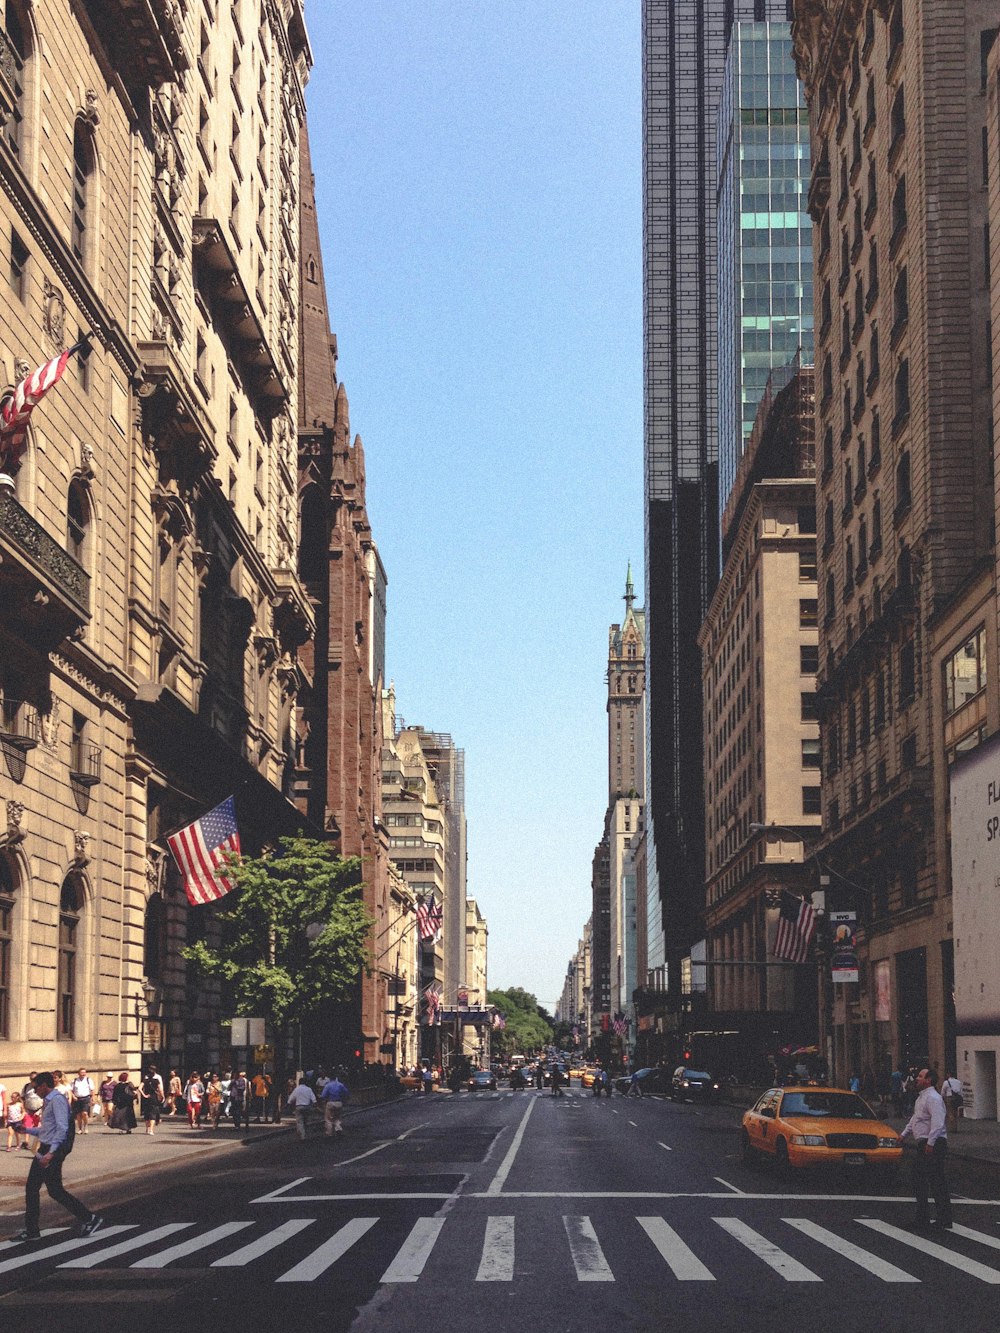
6	943
876	546
900	301
18	57
83	164
965	672
907	672
899	211
808	711
808	659
82	359
77	519
811	804
879	702
811	753
829	601
154	950
18	266
897	118
828	525
806	519
808	613
986	39
902	392
807	566
70	907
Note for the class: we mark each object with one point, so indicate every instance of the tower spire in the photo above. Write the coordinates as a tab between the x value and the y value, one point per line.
629	589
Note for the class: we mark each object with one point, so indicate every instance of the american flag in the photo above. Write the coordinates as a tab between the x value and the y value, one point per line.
432	995
429	918
796	926
19	406
620	1024
200	849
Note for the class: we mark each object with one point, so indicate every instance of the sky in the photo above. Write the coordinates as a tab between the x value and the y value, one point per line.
478	178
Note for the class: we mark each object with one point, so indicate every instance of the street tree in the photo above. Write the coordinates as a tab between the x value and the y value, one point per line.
529	1027
294	934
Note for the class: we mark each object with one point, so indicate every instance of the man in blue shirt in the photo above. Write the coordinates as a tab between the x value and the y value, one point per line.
333	1096
55	1135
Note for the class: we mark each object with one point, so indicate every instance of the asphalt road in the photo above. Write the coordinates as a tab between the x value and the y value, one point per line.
507	1211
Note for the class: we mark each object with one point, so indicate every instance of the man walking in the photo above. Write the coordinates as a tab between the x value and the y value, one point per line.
261	1093
300	1100
238	1090
951	1091
333	1096
82	1089
929	1132
55	1135
557	1080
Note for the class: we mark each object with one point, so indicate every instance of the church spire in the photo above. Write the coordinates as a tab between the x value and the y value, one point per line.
629	589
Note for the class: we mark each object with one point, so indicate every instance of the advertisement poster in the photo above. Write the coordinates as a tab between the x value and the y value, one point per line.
844	961
883	996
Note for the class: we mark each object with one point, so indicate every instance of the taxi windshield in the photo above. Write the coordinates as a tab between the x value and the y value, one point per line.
842	1105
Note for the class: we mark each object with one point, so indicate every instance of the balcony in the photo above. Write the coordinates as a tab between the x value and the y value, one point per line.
9	61
85	764
45	593
149	32
173	417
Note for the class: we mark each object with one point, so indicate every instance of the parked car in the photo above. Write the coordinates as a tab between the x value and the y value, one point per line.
482	1079
810	1126
694	1085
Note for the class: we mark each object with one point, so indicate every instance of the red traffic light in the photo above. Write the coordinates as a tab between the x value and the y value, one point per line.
357	1055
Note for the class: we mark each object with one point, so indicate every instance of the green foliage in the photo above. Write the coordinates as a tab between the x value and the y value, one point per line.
528	1028
274	968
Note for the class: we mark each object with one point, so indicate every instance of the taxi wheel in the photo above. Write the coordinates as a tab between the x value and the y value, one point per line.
748	1154
781	1157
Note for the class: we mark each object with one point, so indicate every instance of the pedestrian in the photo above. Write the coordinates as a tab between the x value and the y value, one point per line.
954	1100
333	1097
896	1090
557	1080
82	1089
928	1129
55	1137
175	1092
16	1135
606	1083
300	1101
598	1081
62	1084
427	1079
854	1083
634	1086
32	1113
4	1100
151	1100
213	1099
123	1101
194	1092
239	1091
106	1093
261	1094
539	1076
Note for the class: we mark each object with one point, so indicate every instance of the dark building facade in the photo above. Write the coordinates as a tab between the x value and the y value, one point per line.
684	51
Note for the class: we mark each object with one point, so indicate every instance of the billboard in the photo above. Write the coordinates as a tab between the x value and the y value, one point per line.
844	960
975	884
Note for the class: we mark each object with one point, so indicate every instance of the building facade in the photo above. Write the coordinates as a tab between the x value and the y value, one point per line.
764	230
896	97
684	45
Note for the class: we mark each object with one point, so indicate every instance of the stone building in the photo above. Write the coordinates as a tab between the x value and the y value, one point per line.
905	495
153	614
762	748
476	1036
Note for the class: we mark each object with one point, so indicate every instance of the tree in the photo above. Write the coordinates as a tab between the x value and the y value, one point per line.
529	1027
294	933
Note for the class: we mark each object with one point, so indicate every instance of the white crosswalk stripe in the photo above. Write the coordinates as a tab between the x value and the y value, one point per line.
870	1262
264	1244
415	1251
126	1246
588	1257
497	1262
684	1263
15	1244
971	1266
979	1236
36	1256
783	1264
330	1251
191	1246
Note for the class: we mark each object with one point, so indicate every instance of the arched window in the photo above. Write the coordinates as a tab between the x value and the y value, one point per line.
313	548
77	521
155	938
6	943
18	45
70	910
83	166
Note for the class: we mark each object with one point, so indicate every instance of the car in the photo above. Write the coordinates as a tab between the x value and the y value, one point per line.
576	1070
810	1126
548	1071
588	1076
693	1085
481	1079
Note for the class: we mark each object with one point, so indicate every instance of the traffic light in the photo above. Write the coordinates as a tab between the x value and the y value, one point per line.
687	1056
357	1055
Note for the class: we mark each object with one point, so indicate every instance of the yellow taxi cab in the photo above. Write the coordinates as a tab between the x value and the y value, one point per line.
809	1126
587	1077
576	1070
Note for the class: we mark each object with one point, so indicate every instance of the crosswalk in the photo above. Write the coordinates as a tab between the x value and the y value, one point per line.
491	1242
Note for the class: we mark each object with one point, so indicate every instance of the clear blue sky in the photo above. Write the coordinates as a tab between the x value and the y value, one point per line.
478	172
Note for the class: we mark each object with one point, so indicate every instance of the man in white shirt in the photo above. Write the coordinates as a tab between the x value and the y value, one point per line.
951	1091
927	1127
300	1099
82	1089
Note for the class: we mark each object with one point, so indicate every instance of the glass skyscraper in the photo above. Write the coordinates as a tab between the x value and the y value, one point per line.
764	232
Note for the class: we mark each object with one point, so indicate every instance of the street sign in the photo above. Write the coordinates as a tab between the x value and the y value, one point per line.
844	962
248	1032
263	1055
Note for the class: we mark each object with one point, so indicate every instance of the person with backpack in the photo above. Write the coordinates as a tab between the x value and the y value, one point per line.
123	1101
55	1137
951	1091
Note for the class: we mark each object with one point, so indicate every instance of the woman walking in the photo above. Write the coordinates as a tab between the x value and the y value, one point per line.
175	1092
194	1092
16	1137
213	1096
123	1100
149	1101
107	1092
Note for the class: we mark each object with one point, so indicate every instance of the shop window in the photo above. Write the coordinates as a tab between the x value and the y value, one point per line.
964	672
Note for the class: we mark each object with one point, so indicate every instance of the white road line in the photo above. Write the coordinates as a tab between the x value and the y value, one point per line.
415	1251
970	1266
278	1195
378	1148
190	1246
248	1253
666	1146
871	1263
46	1231
503	1171
497	1262
36	1256
412	1130
340	1198
588	1257
980	1236
727	1185
327	1254
683	1261
126	1246
613	1111
633	1124
783	1264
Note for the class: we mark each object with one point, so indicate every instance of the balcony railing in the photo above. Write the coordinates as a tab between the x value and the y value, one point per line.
40	583
85	763
20	725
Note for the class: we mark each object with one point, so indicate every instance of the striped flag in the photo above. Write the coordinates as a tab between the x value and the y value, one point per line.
620	1025
200	850
796	927
432	995
429	918
22	402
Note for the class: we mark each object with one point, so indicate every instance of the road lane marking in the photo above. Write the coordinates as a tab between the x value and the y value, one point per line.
190	1246
415	1251
664	1145
503	1171
979	1236
588	1257
378	1148
613	1111
277	1195
633	1124
34	1256
407	1132
315	1264
971	1266
683	1261
46	1231
783	1264
727	1185
406	1194
248	1253
497	1262
871	1263
126	1246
